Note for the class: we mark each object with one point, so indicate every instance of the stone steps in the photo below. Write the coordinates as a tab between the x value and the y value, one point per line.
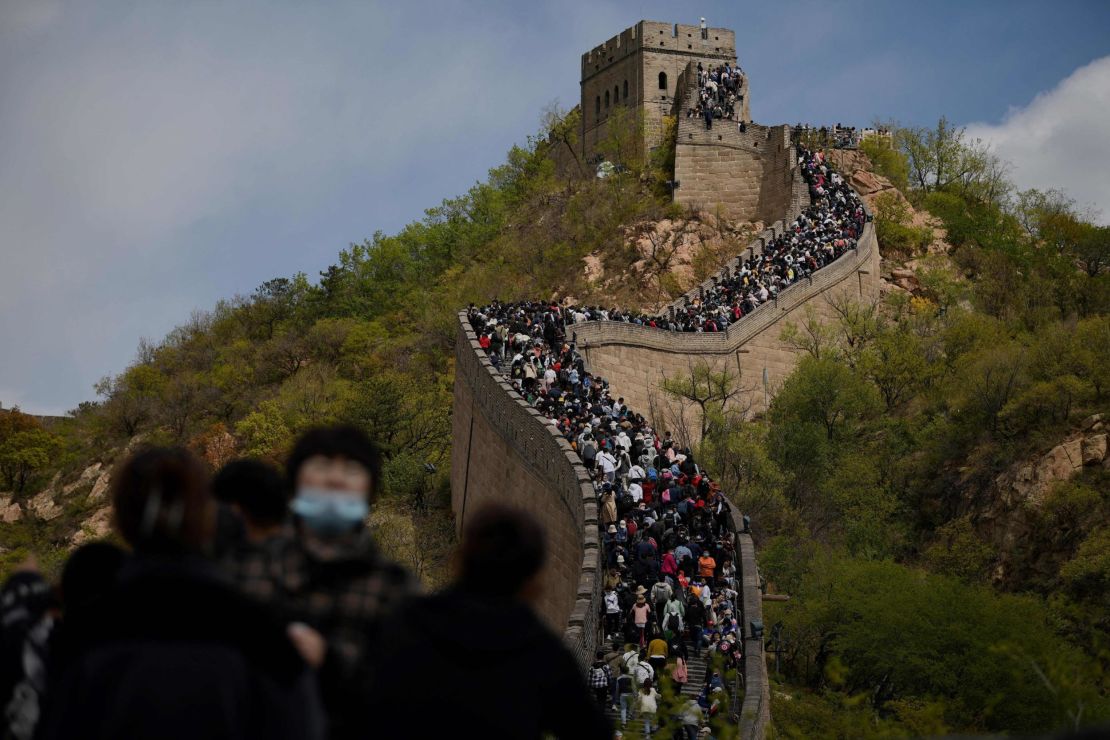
696	669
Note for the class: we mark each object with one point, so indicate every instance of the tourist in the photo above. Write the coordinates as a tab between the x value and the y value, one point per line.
187	655
476	658
332	584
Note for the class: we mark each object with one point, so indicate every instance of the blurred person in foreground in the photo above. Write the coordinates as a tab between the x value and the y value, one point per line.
323	572
254	494
475	658
172	650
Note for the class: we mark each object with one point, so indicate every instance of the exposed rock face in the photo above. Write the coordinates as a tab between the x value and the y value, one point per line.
9	510
100	486
43	505
96	527
668	251
87	475
858	170
1020	492
1093	449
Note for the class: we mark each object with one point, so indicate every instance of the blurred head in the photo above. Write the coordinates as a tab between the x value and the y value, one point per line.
339	458
502	552
90	573
161	501
255	489
334	473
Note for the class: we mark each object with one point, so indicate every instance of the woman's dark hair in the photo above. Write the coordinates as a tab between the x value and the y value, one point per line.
89	574
161	501
343	441
256	487
502	547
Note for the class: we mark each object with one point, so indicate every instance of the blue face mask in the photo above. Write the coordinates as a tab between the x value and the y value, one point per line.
329	513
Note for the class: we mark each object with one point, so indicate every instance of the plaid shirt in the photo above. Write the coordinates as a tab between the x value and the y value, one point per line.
600	676
341	590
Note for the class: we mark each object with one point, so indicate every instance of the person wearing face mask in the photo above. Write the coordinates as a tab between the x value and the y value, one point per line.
333	584
162	645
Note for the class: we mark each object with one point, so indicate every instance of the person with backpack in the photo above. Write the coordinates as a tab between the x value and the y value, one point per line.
673	614
599	678
661	593
588	452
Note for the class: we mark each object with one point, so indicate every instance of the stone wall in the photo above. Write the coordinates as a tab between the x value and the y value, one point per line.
634	60
636	359
749	175
503	450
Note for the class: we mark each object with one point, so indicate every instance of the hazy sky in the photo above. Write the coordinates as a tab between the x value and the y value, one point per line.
155	157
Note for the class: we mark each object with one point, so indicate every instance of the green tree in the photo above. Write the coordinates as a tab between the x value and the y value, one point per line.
959	552
826	392
25	451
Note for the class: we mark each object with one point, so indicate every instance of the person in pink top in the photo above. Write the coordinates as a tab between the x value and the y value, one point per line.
641	613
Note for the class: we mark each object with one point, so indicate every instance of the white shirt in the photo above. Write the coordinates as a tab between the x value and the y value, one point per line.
636	491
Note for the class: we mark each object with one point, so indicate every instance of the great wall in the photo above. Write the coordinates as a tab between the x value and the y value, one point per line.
504	449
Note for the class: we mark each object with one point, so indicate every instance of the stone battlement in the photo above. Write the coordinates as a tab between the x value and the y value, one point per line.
657	36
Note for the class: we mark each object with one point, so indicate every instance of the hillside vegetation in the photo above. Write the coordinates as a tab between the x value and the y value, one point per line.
370	342
868	482
877	477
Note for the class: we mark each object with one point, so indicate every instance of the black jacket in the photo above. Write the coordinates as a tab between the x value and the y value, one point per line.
455	664
175	652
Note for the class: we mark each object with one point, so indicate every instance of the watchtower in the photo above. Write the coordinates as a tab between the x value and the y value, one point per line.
641	69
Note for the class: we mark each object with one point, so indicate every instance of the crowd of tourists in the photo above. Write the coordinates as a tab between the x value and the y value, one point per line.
256	605
670	584
670	568
827	229
838	136
720	94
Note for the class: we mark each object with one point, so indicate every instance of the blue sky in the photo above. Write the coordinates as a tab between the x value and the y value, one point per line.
156	157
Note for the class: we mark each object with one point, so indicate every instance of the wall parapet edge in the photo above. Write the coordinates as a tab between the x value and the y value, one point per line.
591	334
548	456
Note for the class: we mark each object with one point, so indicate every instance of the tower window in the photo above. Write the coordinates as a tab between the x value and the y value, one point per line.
626	89
606	98
616	95
662	80
597	107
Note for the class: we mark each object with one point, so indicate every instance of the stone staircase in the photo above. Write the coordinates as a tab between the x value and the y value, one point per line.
696	669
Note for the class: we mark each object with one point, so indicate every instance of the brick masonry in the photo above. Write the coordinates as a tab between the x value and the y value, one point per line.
504	451
636	359
640	69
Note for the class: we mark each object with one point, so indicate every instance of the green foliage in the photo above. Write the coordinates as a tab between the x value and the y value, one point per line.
960	655
888	161
959	552
894	229
25	447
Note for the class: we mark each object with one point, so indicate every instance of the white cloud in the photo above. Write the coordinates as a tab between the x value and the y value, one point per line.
1061	139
